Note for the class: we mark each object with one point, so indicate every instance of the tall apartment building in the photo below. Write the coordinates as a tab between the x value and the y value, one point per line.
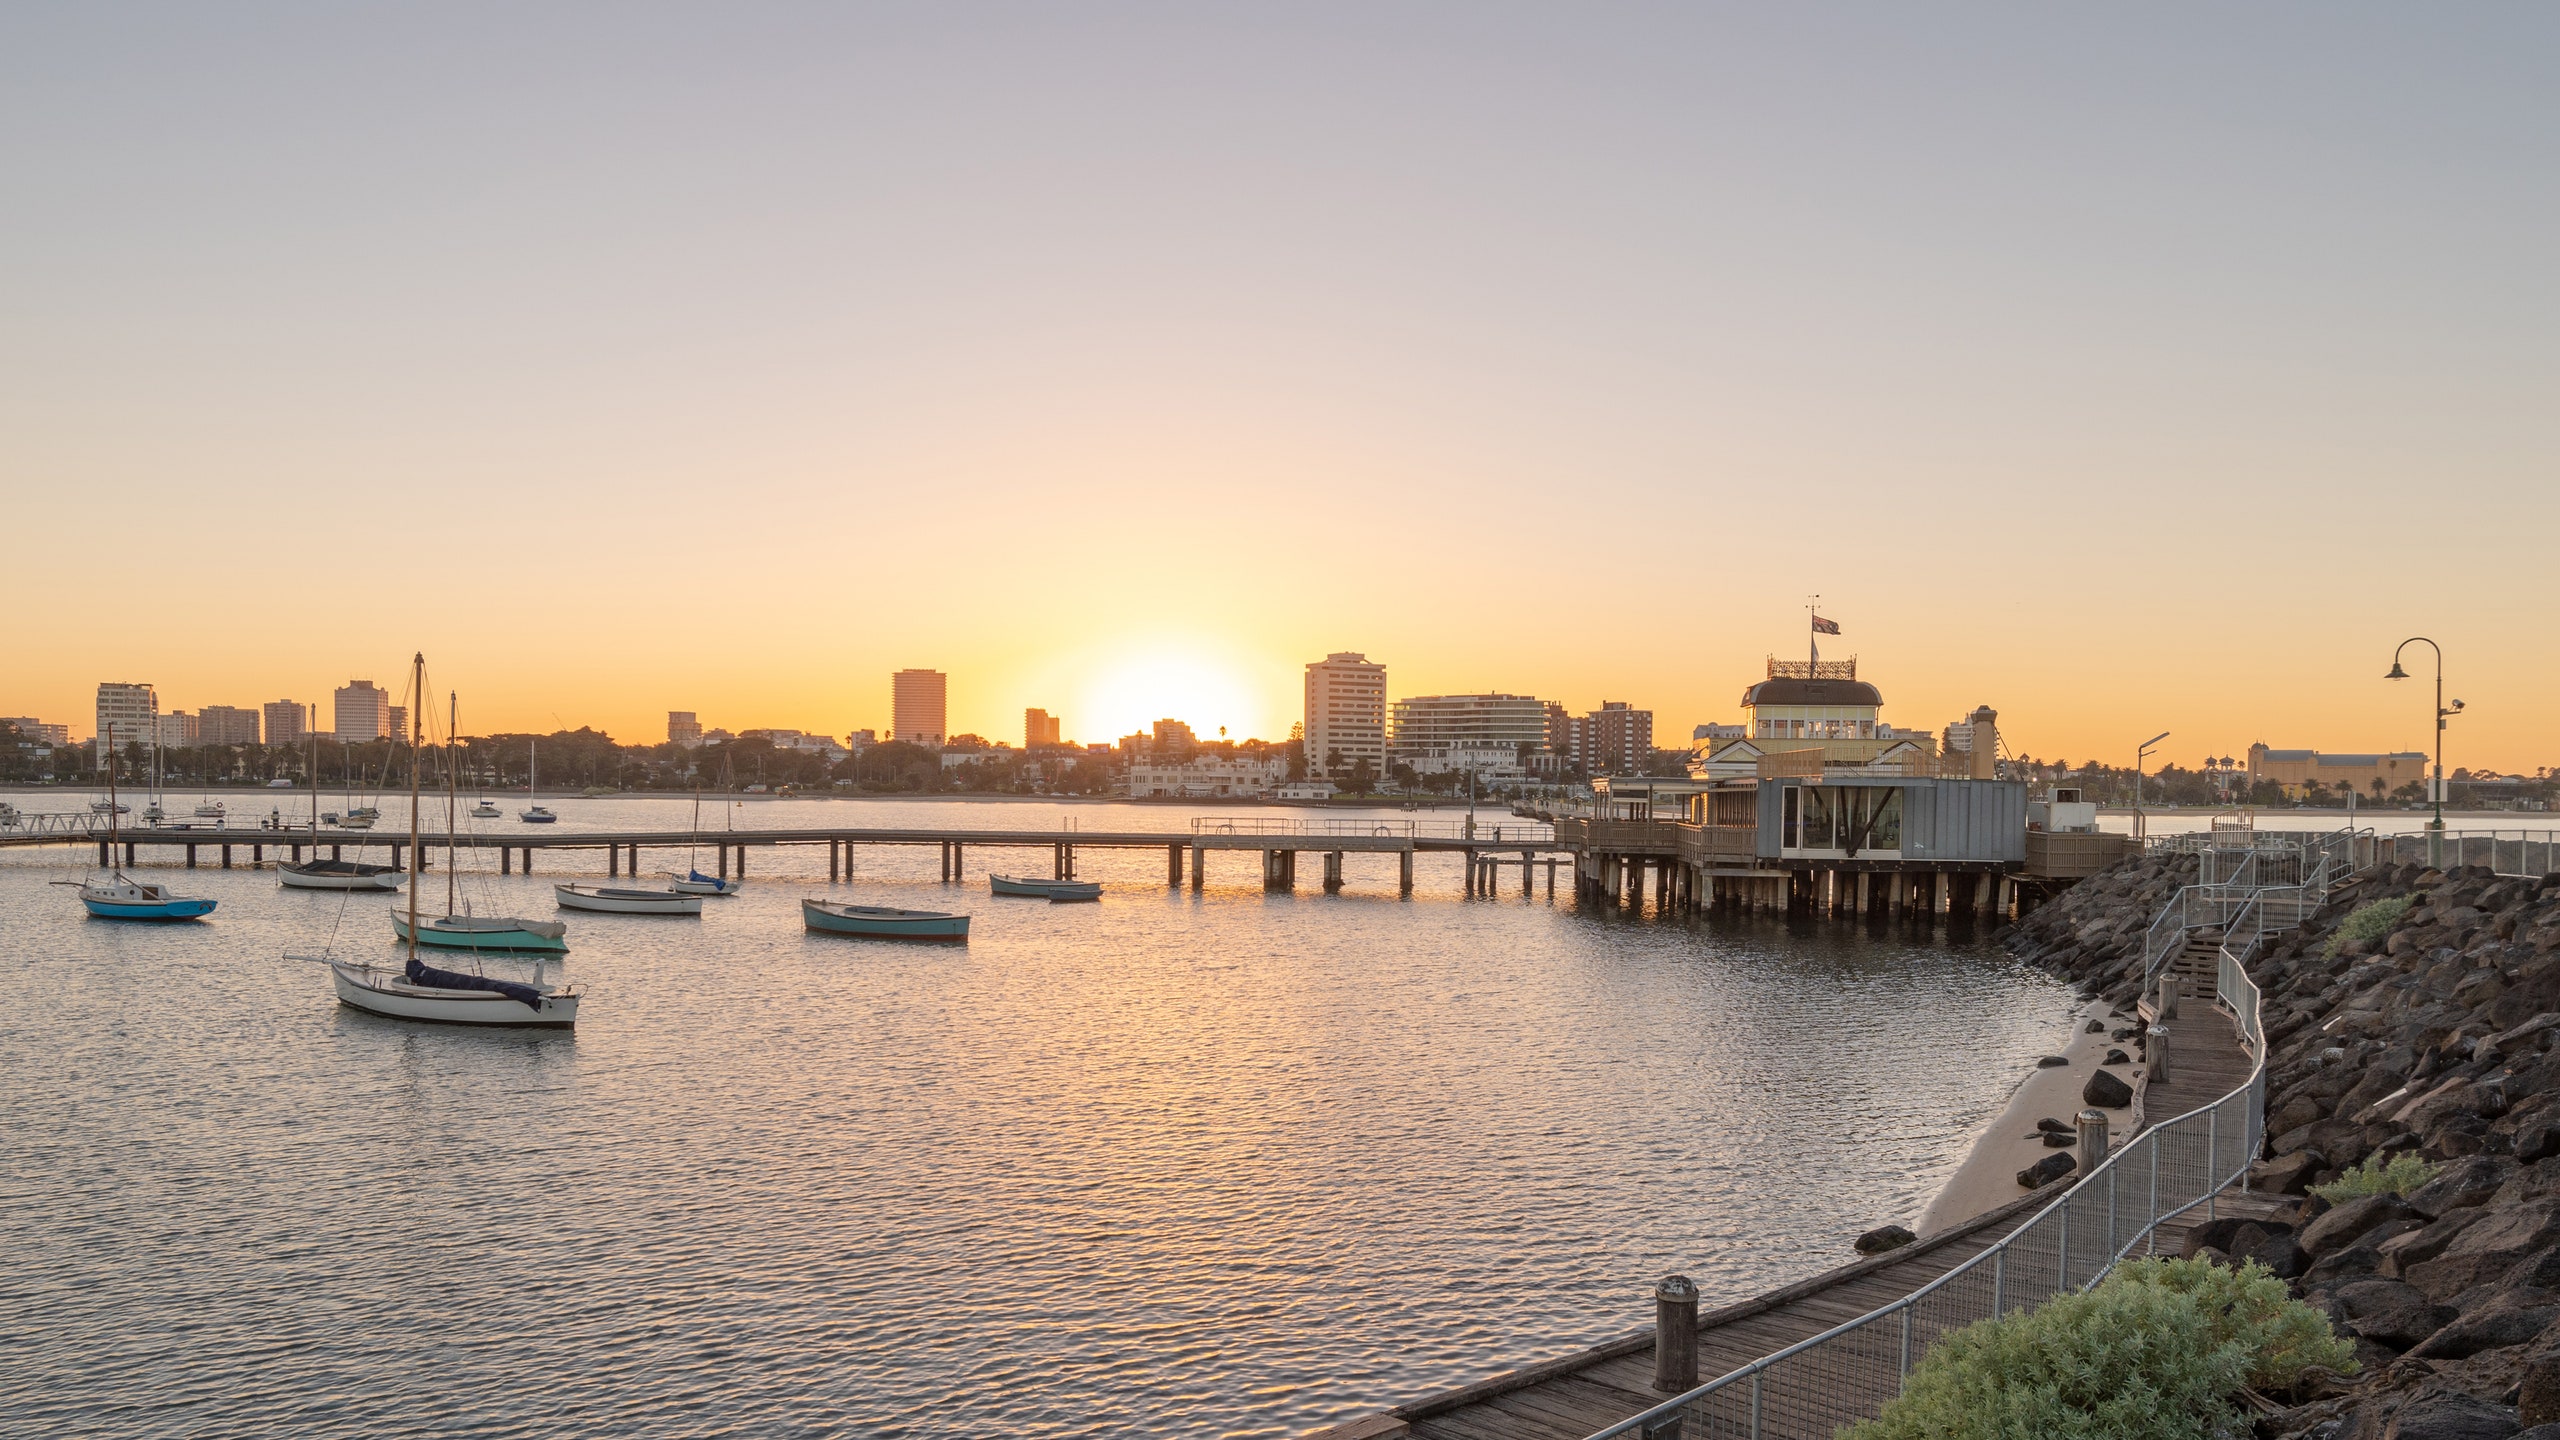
684	728
1346	715
284	721
36	731
919	706
226	725
1421	727
396	721
1039	728
1618	739
363	712
177	730
127	713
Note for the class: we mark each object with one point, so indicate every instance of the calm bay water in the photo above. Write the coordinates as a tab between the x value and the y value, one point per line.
1176	1164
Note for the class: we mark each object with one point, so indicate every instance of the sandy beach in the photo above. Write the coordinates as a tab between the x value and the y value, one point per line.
1989	1176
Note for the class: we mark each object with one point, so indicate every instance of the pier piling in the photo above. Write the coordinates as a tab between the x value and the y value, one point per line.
1675	1335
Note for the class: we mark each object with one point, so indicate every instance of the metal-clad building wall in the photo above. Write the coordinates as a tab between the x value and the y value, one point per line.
1949	820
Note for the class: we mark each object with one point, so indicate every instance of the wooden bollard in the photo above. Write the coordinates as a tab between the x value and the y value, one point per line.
1675	1334
2157	1053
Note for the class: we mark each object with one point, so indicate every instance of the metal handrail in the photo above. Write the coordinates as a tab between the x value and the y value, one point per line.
1857	1366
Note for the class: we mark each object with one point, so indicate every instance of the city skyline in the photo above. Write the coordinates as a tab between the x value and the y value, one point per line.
1671	729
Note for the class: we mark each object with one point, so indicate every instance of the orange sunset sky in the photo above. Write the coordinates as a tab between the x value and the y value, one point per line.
2125	371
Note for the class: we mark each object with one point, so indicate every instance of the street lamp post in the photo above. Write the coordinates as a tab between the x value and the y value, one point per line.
2436	790
2142	753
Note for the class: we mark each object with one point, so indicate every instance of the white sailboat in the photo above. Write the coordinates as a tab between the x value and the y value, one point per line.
317	873
693	881
534	814
419	991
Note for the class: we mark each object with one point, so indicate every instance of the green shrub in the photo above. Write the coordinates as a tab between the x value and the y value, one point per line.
2368	922
2158	1351
2398	1175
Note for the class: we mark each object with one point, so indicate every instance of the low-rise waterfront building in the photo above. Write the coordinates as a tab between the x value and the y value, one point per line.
1421	727
2371	774
37	731
1202	777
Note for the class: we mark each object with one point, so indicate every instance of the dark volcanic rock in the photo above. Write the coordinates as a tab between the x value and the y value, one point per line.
2342	1226
2117	1057
1883	1238
2095	1027
2047	1170
2445	1414
2286	1174
2388	1312
2050	1061
2511	1319
2107	1090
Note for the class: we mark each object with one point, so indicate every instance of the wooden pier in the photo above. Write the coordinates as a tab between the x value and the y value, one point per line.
1576	1395
1186	852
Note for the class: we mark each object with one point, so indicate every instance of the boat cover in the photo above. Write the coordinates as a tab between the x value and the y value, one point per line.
435	979
698	878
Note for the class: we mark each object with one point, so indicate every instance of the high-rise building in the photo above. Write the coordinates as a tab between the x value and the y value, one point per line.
284	722
683	728
177	730
1346	715
1039	728
127	713
919	706
396	721
226	725
1421	726
1173	737
363	712
1619	739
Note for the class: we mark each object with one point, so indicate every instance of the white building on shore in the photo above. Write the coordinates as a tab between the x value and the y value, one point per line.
1204	777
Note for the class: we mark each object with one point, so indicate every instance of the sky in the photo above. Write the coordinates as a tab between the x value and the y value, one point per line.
2128	370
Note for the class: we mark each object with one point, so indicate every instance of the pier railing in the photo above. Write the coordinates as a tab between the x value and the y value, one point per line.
1498	829
2507	852
1848	1373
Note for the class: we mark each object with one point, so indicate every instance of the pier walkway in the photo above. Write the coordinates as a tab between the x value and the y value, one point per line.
1486	845
1580	1395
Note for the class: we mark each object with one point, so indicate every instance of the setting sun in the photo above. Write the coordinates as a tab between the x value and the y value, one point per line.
1131	689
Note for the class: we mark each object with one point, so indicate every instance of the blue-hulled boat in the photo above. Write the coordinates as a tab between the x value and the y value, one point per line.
118	898
879	922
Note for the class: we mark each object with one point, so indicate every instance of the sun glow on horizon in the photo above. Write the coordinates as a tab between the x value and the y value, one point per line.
1132	689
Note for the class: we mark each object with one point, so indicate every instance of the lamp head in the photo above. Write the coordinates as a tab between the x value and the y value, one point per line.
2396	672
2457	704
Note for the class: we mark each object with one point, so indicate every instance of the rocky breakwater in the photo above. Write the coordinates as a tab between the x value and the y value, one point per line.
2414	1077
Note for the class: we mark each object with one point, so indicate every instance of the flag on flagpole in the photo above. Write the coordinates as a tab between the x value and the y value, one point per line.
1825	627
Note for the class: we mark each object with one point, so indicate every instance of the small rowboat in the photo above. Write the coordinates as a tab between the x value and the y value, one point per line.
1052	890
613	900
338	875
882	923
538	815
697	883
485	932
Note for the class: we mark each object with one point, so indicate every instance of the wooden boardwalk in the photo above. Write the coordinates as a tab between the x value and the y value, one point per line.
1571	1397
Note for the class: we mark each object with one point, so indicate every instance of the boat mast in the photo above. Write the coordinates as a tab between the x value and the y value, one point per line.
112	828
453	795
311	743
418	733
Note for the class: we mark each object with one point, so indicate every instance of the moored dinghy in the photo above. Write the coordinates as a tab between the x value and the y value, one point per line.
484	932
337	875
881	922
1055	890
614	900
697	883
118	898
419	991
